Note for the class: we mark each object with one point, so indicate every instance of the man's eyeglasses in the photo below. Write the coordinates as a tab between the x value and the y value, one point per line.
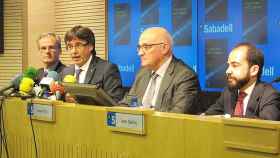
78	46
147	47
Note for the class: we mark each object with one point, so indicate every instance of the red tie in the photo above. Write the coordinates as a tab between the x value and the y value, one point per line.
238	111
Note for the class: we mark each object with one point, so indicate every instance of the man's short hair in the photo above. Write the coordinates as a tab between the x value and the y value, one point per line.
254	56
82	33
50	34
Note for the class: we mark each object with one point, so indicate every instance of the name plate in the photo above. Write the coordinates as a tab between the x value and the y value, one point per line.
41	110
126	122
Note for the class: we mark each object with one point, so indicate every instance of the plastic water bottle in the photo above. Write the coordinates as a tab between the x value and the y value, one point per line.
133	101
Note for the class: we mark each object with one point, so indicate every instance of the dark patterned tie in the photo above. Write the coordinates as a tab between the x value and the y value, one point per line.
238	111
45	73
147	101
77	74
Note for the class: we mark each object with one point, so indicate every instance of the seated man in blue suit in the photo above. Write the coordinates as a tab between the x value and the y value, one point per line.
246	95
87	67
164	82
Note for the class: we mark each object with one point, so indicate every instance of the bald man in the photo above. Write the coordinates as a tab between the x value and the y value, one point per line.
164	82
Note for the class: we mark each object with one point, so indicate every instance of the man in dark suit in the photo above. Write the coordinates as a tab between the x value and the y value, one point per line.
87	67
246	95
49	45
164	82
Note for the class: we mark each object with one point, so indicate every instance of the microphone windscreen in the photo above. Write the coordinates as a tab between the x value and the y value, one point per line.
46	81
26	85
13	84
56	87
30	72
69	79
53	74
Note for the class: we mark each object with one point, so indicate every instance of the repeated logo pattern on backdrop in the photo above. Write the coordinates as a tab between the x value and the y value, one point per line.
204	32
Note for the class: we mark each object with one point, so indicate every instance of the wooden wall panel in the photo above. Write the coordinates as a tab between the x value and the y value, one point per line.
11	60
89	13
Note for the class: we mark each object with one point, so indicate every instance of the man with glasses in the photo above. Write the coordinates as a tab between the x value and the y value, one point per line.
49	45
87	67
164	82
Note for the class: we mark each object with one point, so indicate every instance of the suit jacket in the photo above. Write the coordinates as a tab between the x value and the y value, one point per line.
263	103
178	90
103	73
59	67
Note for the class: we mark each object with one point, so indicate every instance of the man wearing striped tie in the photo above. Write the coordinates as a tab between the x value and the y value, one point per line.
246	95
164	82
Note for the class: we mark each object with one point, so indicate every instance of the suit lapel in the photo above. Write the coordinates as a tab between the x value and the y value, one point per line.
254	99
91	70
233	100
143	84
166	81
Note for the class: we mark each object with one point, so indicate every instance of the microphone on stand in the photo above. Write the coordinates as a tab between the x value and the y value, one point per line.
276	80
13	84
57	89
70	79
26	87
46	82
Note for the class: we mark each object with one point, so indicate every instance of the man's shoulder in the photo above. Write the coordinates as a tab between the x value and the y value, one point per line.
68	69
60	67
266	87
181	66
182	70
102	63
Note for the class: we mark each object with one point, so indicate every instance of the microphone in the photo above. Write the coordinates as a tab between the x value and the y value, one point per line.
54	75
47	81
57	90
26	86
69	79
13	84
30	72
276	80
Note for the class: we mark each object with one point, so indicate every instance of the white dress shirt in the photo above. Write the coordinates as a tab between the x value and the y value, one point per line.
248	91
161	71
84	69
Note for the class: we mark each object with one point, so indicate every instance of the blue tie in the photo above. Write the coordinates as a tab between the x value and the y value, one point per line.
77	74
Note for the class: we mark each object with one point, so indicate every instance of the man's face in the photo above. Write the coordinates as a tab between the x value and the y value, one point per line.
238	71
49	50
151	51
80	51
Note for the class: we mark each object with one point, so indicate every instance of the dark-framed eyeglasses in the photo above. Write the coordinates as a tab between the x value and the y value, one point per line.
77	45
147	47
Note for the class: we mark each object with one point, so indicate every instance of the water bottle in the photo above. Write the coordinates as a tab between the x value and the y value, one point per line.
133	101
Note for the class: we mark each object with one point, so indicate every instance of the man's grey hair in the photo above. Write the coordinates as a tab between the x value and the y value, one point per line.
50	34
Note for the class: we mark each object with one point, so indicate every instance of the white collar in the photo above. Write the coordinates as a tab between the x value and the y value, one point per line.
85	66
162	69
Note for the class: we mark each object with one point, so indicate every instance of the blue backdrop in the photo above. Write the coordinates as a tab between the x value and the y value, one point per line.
204	32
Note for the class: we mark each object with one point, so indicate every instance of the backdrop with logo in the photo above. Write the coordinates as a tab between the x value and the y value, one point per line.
204	32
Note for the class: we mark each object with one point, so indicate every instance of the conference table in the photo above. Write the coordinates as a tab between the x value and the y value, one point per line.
69	130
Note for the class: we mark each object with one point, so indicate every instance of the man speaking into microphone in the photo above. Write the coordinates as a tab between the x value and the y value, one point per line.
87	67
